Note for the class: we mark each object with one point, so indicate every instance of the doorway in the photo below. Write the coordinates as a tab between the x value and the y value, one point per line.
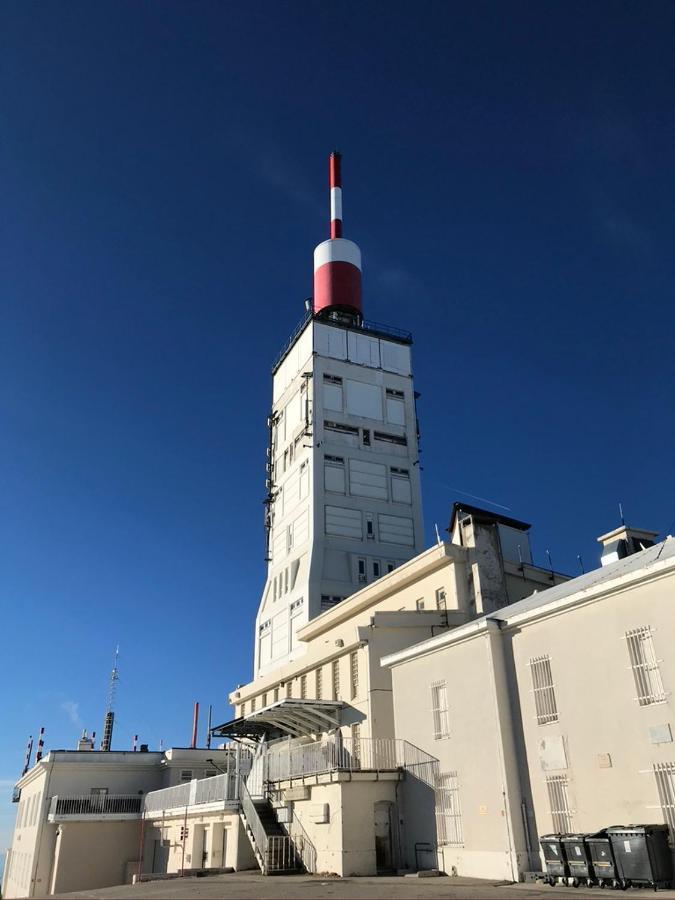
384	836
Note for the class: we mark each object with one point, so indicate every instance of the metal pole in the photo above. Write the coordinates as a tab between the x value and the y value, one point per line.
208	730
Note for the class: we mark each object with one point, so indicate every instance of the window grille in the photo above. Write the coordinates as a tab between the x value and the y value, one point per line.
439	710
645	666
303	687
252	704
441	602
558	799
419	604
665	785
263	701
336	679
448	810
354	673
543	689
275	694
356	740
319	679
186	775
289	688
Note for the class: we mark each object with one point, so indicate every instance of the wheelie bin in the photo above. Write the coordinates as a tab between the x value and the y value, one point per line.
554	857
602	859
642	855
578	859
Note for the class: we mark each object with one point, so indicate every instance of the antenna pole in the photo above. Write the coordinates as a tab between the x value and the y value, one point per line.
109	719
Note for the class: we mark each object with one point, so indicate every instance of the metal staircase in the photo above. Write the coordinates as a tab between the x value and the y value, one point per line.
274	849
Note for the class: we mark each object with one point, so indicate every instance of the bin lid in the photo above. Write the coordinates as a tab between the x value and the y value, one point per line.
636	829
551	837
574	837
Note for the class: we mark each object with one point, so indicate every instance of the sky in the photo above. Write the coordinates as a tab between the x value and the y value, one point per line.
508	175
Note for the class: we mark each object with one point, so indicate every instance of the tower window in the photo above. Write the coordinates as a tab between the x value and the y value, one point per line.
376	568
366	437
335	672
370	526
645	666
543	689
439	710
401	440
441	601
332	392
362	570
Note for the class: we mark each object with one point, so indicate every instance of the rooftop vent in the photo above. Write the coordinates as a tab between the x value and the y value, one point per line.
624	541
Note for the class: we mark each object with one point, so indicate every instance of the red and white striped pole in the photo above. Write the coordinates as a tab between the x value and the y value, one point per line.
29	753
337	261
41	745
335	183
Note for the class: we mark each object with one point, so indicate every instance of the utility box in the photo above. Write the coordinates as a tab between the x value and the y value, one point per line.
319	813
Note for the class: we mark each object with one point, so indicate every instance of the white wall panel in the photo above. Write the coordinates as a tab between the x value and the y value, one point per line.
363	350
301	528
395	357
279	542
332	396
364	400
400	490
367	479
344	522
334	478
396	530
395	411
266	648
330	341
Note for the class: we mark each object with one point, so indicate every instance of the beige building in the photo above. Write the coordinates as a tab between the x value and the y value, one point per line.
80	815
552	714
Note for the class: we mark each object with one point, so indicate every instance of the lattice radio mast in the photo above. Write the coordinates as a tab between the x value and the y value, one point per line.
109	720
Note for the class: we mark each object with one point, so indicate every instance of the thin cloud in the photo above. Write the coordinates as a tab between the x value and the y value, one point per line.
72	710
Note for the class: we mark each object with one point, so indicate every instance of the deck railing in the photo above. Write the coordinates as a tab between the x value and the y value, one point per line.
219	788
96	805
286	761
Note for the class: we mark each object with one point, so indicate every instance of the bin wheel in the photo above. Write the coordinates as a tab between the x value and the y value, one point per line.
616	885
575	882
625	885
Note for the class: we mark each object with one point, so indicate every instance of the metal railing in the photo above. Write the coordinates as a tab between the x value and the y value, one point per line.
276	852
336	753
305	850
96	805
219	788
168	798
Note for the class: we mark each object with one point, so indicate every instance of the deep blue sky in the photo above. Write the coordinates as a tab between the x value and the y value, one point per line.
509	177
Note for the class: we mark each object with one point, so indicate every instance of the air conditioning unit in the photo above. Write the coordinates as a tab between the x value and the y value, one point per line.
362	578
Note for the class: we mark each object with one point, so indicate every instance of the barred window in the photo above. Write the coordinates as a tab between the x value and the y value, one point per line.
645	666
354	673
303	687
559	804
275	694
356	741
448	810
319	680
289	687
665	785
439	709
252	704
336	679
543	690
441	600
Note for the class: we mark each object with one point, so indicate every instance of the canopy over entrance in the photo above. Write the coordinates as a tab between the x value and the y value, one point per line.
288	716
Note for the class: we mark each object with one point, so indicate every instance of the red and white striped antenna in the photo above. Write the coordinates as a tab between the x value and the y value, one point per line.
29	752
335	182
40	745
337	261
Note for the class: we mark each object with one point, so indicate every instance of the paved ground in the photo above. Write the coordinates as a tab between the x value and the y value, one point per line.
251	886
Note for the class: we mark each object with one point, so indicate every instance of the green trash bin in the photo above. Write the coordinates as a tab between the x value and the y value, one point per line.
642	855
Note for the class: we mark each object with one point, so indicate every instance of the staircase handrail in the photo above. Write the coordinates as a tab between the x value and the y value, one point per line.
303	846
254	823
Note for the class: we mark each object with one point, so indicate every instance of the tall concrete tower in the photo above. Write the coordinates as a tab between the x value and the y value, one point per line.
344	505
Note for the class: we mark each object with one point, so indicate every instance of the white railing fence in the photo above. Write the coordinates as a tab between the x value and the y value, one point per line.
168	798
96	805
285	761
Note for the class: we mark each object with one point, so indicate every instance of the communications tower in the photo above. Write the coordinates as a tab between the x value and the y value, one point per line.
343	503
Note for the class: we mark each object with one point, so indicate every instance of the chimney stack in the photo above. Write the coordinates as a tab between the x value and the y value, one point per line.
624	541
